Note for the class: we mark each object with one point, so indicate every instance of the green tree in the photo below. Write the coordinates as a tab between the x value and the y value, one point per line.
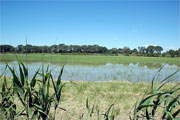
114	51
142	50
6	48
177	52
20	49
54	49
135	51
158	49
150	49
126	50
172	53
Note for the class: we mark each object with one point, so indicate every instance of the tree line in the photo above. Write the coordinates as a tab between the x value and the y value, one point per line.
151	51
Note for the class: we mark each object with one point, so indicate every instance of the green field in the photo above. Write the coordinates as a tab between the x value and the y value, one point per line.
89	59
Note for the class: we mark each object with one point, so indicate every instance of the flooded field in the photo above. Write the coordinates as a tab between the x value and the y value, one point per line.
132	72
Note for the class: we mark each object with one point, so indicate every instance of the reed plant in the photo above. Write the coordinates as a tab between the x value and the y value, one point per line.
29	98
33	98
158	103
94	113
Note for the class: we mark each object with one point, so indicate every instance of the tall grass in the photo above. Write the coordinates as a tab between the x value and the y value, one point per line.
158	103
32	96
93	113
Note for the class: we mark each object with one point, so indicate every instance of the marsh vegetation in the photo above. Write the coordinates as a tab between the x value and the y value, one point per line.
44	97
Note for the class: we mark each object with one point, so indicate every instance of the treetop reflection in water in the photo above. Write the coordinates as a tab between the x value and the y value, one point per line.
133	72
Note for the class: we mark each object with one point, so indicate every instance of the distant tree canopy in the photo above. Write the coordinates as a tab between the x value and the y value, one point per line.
151	51
6	48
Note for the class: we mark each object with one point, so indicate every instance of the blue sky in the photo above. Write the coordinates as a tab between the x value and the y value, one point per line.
116	23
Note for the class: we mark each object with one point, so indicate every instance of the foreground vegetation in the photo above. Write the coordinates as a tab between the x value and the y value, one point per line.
89	59
100	94
37	98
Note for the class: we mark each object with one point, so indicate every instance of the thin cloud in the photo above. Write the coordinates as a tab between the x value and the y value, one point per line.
149	45
169	48
134	31
157	42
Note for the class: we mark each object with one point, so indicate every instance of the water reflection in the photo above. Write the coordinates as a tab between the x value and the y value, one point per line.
132	72
61	62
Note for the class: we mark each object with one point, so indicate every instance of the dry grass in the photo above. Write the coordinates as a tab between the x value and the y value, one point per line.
122	94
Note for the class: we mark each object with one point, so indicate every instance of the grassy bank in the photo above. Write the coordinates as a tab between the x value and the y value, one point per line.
122	94
102	94
90	59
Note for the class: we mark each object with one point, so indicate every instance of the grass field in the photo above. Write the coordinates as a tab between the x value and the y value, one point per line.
122	94
89	59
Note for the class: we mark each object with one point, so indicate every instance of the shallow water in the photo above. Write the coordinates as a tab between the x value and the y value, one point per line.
133	72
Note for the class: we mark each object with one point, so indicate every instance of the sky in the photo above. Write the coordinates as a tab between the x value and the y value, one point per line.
110	23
